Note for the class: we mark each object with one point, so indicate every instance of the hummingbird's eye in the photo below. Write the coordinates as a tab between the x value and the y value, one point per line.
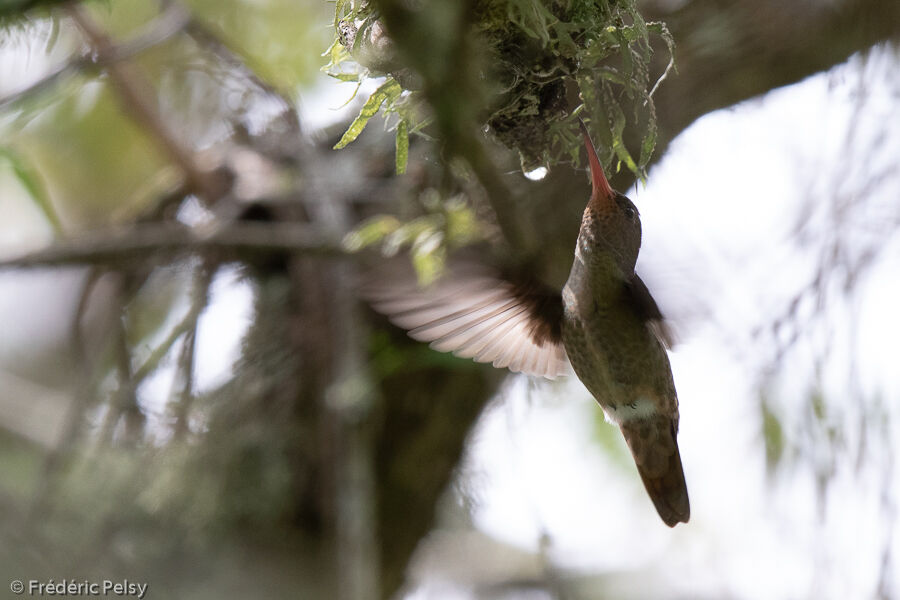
629	213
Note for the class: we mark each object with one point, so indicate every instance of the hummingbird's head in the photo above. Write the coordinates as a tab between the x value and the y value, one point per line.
611	221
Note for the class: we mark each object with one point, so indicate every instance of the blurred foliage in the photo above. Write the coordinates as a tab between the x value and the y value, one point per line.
611	440
390	359
16	8
274	36
157	302
538	50
64	135
79	131
33	185
277	38
773	436
446	226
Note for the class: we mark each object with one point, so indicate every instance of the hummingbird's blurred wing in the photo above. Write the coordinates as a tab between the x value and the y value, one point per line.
646	306
475	313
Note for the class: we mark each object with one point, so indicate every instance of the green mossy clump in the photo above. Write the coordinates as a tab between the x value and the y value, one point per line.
549	60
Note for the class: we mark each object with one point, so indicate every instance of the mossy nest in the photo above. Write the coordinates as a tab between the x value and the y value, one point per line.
548	61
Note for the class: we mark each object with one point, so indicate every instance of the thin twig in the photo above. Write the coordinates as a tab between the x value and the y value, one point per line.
135	93
124	401
183	397
184	379
155	240
160	352
168	24
207	37
88	373
663	77
152	362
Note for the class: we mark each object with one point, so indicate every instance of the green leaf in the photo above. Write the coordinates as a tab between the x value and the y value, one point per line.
817	403
34	186
337	55
354	77
773	436
402	146
462	224
610	74
338	11
428	256
353	95
371	232
618	128
334	53
648	144
388	91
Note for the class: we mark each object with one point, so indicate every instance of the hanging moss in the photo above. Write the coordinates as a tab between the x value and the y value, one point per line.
543	54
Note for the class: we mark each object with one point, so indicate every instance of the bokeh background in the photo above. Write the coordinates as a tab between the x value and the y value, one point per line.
192	395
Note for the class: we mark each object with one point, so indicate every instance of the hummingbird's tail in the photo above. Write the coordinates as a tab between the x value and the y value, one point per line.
655	450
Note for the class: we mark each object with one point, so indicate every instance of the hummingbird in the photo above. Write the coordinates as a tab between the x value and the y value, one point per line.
605	324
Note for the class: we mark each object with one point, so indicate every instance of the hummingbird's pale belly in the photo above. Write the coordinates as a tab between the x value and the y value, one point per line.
620	362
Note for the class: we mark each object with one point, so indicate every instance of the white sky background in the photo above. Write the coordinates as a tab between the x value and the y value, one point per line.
719	213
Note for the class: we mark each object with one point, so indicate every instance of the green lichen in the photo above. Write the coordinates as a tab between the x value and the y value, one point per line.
549	60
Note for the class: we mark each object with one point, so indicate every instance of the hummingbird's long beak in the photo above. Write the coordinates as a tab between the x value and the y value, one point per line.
601	188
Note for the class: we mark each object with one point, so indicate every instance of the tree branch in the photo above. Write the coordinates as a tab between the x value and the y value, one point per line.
206	37
183	384
761	45
155	240
123	402
169	23
135	93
